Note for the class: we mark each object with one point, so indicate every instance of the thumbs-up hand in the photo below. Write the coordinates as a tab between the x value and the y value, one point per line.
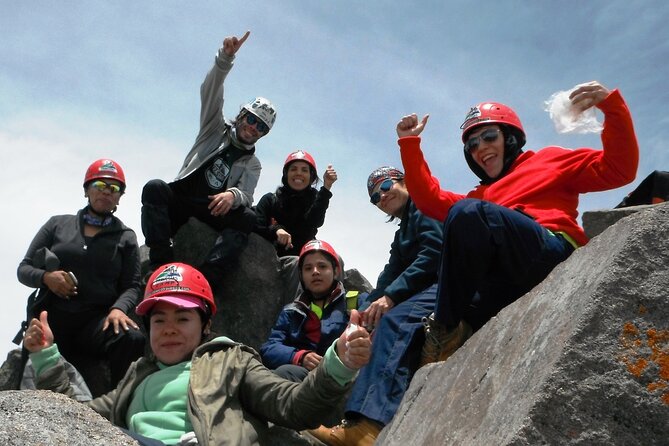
329	177
38	335
409	125
354	346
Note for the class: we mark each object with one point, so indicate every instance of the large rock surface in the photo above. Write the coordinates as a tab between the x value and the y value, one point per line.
595	222
40	417
581	359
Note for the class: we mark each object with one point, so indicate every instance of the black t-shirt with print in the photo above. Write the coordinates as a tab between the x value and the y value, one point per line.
212	177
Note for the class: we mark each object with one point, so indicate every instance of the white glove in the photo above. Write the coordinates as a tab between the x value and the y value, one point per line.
188	439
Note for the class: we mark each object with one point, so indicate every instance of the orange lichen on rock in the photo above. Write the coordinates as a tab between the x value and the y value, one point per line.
637	362
629	329
652	387
636	368
658	341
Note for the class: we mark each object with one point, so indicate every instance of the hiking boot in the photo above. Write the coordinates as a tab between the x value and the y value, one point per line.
441	343
361	432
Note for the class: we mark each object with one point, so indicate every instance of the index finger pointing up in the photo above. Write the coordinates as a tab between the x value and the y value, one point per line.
243	39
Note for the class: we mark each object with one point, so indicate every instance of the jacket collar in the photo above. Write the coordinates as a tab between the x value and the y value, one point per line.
305	298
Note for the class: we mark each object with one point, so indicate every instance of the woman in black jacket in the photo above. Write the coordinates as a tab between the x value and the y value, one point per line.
291	216
94	284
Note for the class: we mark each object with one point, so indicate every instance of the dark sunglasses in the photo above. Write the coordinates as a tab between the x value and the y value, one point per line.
252	119
384	187
102	186
488	135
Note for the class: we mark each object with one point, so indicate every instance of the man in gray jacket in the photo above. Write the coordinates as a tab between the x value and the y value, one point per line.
218	177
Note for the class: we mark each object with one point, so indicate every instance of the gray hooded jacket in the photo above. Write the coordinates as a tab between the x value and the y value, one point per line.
216	134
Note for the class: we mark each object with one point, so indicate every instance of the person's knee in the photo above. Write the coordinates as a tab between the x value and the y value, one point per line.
464	212
247	220
241	219
155	192
465	219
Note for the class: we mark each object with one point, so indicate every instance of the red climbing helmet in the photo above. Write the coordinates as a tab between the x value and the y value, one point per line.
105	168
180	285
487	113
300	155
319	245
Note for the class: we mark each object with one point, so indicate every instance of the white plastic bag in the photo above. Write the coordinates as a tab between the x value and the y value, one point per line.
567	119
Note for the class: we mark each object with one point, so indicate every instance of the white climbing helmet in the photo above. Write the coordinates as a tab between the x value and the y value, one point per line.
263	110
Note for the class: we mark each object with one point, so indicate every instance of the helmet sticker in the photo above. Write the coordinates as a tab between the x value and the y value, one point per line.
169	274
170	279
314	245
107	166
473	116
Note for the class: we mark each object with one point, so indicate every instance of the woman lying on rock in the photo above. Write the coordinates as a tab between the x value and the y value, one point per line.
194	391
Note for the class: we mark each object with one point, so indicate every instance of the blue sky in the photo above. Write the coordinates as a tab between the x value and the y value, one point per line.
85	80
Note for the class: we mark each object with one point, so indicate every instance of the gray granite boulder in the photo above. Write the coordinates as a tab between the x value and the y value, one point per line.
10	378
581	359
40	417
595	222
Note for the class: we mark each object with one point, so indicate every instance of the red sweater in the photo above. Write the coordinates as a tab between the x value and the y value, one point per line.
545	184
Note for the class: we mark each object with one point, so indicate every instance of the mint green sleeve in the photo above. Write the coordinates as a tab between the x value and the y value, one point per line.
45	359
336	369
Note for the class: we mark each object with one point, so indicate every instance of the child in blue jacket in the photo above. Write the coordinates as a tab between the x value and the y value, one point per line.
306	327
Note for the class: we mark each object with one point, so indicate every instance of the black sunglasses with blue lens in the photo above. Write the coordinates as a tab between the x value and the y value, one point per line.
252	119
384	187
489	135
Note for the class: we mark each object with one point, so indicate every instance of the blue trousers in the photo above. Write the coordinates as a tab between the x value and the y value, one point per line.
491	256
396	348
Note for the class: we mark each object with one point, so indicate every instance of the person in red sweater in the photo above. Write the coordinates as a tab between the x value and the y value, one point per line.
504	237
